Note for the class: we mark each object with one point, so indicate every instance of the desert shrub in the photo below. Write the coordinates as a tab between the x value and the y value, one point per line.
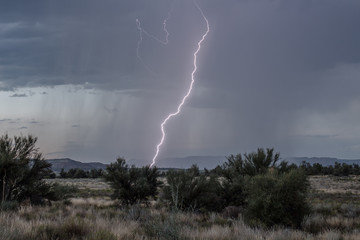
80	173
22	169
253	163
337	169
96	173
233	190
130	184
239	168
187	190
74	173
62	192
277	199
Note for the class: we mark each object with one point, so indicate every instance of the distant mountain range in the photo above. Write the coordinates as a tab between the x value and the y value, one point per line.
325	161
202	162
67	163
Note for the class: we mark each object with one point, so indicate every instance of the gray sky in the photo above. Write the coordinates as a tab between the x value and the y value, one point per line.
279	73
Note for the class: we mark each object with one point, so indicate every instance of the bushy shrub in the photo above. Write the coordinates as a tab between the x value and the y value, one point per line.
188	190
80	173
62	192
233	190
277	199
251	164
239	168
130	184
337	169
22	169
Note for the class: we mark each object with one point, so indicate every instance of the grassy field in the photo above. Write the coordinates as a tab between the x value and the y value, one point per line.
91	214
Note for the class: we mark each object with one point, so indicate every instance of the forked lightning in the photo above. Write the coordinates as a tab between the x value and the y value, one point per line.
190	87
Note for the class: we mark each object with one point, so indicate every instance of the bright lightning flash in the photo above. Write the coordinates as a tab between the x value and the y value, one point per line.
190	88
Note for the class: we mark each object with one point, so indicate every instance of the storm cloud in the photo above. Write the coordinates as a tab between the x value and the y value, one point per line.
278	73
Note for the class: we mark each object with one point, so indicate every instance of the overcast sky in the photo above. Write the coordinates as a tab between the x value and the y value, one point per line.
271	73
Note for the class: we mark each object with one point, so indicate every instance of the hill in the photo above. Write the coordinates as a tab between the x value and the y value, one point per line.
67	163
202	162
325	161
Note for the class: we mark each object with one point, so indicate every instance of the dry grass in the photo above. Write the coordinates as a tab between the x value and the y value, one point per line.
70	222
336	185
98	220
95	217
82	183
95	201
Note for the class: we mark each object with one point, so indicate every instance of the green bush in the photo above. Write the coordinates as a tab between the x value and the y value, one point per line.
187	190
239	168
22	169
80	173
233	191
130	184
62	192
251	164
277	199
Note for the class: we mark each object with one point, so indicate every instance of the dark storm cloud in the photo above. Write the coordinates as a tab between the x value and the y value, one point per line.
263	67
46	43
269	59
256	45
275	47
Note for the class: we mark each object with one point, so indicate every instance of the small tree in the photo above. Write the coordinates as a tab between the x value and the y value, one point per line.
96	173
22	168
277	199
130	184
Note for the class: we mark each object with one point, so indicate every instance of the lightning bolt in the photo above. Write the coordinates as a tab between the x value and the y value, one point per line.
142	30
138	24
190	87
167	34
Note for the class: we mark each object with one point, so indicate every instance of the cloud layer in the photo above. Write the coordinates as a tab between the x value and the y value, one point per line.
271	73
